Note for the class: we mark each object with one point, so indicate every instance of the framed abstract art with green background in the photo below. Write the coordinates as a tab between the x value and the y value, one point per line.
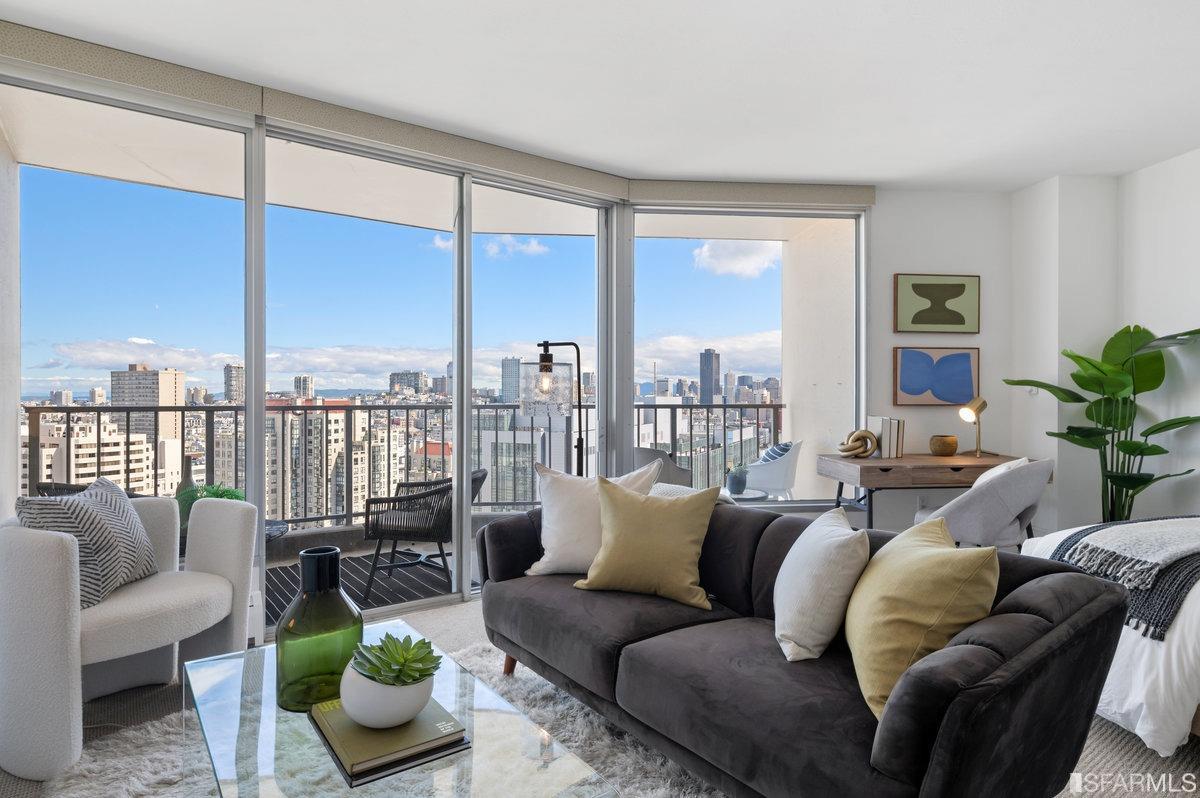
936	303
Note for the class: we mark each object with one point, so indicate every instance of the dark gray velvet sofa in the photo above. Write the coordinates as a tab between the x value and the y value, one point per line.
1003	710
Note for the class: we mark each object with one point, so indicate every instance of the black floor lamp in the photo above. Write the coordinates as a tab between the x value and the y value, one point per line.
546	389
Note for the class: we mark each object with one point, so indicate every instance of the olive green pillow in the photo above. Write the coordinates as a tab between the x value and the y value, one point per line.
916	593
651	544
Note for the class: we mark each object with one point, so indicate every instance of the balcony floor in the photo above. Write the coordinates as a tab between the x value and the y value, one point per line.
405	584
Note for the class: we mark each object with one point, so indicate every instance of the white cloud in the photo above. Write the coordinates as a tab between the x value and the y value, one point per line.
677	356
136	340
331	366
745	259
505	246
444	243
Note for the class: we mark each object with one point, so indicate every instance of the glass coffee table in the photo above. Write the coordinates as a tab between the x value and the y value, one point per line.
258	749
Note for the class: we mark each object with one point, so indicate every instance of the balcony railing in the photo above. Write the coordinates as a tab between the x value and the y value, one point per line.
309	466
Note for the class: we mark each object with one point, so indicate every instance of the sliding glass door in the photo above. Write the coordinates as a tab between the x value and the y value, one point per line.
359	431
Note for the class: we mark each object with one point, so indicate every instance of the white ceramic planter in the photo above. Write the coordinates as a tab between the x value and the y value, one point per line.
381	706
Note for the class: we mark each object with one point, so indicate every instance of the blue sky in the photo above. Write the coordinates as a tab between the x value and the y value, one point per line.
115	272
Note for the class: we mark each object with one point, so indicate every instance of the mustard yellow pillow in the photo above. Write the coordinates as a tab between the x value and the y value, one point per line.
651	544
916	593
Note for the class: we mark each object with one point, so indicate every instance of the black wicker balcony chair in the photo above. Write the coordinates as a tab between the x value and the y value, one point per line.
420	512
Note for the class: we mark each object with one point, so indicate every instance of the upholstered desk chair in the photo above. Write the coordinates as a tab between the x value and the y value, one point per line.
998	512
54	656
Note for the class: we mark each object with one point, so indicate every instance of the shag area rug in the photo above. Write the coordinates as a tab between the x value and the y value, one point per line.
167	757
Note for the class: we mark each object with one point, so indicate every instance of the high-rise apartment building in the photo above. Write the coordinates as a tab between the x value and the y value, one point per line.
235	383
302	384
97	396
730	386
76	459
773	387
510	380
662	386
62	398
197	395
142	386
416	381
710	375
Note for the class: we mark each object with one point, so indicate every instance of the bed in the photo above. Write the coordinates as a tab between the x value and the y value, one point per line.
1153	687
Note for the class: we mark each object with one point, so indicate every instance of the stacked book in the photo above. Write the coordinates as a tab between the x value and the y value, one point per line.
363	754
890	432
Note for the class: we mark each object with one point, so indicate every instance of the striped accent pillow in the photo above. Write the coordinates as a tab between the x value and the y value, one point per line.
775	452
114	548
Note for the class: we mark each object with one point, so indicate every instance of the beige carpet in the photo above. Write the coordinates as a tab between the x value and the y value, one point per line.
106	768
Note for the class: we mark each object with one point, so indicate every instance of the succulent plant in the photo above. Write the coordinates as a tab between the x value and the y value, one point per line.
739	470
393	661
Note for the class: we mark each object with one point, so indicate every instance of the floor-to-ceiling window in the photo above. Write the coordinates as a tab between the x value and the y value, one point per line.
534	278
745	339
132	264
359	320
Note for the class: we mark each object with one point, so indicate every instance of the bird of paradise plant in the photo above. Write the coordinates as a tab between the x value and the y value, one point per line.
1131	364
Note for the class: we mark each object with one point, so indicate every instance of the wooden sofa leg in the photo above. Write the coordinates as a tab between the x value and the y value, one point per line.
510	664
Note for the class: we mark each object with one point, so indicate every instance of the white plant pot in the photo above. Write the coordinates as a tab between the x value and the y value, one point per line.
382	706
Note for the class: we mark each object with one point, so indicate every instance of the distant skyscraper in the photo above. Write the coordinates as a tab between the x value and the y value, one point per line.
142	386
98	396
662	387
681	387
416	381
745	381
510	380
197	395
62	398
235	383
730	386
772	386
303	386
450	377
710	375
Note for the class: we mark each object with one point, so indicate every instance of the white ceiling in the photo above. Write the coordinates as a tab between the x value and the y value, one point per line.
958	93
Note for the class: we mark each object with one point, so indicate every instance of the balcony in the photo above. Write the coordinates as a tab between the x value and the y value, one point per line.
320	455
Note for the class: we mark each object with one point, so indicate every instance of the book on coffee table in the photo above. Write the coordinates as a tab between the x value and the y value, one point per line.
364	754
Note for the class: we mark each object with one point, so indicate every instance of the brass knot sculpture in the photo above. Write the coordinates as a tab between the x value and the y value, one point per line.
861	443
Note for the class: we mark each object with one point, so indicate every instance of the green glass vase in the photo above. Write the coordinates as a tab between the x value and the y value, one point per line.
317	635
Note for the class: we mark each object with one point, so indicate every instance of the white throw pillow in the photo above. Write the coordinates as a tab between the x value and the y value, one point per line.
814	584
571	517
1003	468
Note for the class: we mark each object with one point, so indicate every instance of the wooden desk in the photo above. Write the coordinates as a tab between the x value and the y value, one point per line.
911	472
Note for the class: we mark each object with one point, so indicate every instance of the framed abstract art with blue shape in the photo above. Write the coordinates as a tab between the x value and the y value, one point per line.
935	375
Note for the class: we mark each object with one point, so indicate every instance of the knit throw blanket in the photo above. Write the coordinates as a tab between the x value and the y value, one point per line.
1157	559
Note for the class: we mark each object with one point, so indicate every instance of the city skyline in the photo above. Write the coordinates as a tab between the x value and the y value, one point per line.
170	293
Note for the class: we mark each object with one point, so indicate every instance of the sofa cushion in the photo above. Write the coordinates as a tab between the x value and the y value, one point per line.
582	632
152	612
727	559
723	691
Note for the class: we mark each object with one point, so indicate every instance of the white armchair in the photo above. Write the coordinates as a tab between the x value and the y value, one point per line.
54	656
776	477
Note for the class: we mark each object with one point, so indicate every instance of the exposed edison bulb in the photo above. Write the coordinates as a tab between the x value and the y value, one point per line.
545	379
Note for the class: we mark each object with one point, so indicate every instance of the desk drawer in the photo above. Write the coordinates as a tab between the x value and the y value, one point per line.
948	476
885	476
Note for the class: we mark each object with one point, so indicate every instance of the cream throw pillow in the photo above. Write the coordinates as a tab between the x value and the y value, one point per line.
916	593
651	544
814	584
571	517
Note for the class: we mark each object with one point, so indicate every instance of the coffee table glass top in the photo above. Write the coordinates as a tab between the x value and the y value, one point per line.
258	749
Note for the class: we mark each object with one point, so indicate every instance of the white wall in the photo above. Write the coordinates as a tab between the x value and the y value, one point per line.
1159	287
951	233
10	327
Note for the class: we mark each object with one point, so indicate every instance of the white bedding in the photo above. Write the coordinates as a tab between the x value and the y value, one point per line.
1153	687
